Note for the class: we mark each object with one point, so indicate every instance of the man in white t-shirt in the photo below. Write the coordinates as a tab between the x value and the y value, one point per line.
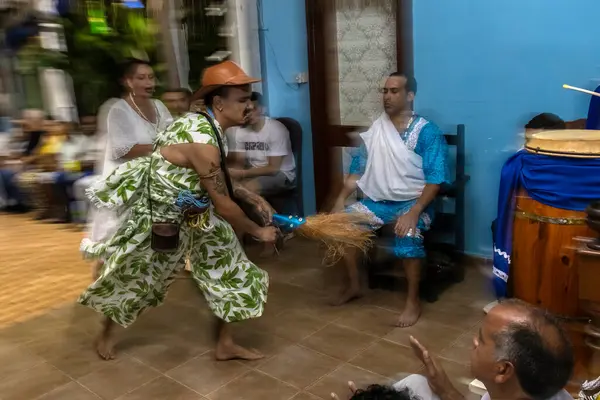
261	153
519	352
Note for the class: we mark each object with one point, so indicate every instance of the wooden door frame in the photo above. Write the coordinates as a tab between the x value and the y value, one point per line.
324	134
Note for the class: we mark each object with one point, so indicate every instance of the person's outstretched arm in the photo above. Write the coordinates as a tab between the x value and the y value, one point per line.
205	160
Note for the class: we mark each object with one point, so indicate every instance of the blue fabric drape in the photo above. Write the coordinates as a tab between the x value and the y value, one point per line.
560	182
593	118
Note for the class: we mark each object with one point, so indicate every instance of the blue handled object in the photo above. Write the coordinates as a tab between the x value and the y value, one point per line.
186	199
288	222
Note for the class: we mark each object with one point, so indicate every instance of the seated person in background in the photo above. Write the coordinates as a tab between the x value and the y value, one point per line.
96	128
261	153
520	352
198	106
177	101
91	154
19	154
34	127
36	180
73	164
539	123
399	167
544	122
6	150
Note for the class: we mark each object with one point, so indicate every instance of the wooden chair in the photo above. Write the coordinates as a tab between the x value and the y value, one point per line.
381	265
291	201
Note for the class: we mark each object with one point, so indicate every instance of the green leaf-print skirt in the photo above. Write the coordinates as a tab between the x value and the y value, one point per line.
134	277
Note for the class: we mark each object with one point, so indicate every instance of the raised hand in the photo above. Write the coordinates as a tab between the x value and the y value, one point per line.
435	374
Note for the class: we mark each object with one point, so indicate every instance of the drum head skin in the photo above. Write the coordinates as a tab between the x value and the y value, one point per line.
577	143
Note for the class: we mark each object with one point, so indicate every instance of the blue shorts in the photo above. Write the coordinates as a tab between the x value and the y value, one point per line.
387	212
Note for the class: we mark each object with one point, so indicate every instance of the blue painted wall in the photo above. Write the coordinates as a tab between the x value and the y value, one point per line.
284	55
490	64
493	64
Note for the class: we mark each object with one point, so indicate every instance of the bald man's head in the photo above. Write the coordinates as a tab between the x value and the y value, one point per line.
523	343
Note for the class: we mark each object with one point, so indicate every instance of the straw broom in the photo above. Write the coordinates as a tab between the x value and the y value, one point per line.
337	231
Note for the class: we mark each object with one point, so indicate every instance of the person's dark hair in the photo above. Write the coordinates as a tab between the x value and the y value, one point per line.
411	82
256	97
546	121
187	92
129	67
381	392
222	91
539	350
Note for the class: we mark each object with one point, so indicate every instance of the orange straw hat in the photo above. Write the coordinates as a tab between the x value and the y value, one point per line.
226	73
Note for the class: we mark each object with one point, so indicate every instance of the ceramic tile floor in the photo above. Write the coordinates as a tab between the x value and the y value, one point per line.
312	349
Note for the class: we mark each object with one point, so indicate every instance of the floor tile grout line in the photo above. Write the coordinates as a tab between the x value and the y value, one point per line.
278	379
228	382
86	388
326	375
440	323
44	361
361	351
117	361
185	386
454	342
327	322
139	387
371	372
169	370
341	362
320	353
198	356
453	361
349	328
339	367
62	373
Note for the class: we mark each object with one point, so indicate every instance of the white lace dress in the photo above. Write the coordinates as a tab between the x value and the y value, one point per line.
120	130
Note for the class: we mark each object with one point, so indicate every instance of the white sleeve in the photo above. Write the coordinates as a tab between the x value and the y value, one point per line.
232	142
279	140
4	144
121	135
164	115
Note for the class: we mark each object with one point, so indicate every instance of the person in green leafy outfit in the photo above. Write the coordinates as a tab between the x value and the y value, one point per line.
186	159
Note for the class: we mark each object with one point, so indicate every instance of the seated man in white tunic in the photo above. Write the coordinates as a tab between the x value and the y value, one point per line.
399	168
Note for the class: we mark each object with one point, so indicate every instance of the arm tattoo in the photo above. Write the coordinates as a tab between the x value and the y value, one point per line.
220	186
215	174
259	206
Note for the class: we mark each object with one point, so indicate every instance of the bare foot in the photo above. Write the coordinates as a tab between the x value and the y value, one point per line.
347	296
410	315
235	352
105	347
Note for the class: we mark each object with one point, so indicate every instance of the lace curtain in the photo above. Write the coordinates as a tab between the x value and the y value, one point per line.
366	54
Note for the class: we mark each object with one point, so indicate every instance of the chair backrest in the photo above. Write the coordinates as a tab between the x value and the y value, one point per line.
457	191
295	130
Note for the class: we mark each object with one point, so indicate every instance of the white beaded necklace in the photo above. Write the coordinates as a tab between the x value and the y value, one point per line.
141	114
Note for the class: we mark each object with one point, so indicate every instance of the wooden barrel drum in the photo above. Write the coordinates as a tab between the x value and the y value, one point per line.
541	267
542	262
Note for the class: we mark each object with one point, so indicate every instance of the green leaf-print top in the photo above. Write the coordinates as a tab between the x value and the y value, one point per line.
126	189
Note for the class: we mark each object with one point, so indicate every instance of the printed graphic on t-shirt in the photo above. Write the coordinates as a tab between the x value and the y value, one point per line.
262	146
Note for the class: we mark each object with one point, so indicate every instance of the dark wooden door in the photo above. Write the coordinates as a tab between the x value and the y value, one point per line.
352	46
